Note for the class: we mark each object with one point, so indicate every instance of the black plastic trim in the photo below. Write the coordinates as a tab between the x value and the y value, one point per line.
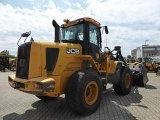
22	70
51	59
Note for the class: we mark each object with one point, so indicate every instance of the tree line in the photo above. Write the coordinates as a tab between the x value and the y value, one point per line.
6	52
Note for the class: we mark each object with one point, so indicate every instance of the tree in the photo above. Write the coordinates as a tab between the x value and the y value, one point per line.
128	56
5	52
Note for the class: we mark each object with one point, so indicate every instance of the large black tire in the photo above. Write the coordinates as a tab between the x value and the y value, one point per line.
140	77
157	69
125	84
46	98
84	92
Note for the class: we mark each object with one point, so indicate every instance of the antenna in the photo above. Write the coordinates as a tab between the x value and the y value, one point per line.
71	17
67	20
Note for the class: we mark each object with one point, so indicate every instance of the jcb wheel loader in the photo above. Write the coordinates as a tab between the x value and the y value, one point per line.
149	64
73	65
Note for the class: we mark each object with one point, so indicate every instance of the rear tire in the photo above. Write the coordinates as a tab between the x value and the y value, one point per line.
84	92
46	98
125	83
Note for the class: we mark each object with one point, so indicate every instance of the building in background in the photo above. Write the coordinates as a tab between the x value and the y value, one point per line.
139	52
146	51
134	53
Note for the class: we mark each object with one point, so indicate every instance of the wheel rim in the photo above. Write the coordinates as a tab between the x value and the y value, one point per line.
127	81
91	93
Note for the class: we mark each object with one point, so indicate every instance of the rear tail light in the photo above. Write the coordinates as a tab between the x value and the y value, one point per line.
38	85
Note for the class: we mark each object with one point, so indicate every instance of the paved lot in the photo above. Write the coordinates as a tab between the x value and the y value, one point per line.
141	104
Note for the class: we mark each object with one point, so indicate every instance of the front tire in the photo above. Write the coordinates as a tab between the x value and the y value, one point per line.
125	83
84	92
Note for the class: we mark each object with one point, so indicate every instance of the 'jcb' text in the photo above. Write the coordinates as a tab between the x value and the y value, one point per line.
72	51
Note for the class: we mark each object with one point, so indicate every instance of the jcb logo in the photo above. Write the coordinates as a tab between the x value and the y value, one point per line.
73	51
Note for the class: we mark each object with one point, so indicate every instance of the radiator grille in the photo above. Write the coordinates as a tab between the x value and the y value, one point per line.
22	70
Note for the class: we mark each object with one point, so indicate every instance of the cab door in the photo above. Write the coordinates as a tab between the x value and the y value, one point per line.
94	42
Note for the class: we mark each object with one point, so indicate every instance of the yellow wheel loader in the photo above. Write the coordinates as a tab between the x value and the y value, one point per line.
73	65
4	62
149	64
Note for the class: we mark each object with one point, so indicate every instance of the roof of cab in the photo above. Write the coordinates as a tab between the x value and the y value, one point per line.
70	23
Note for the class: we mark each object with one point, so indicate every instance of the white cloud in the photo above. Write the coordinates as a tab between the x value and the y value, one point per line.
66	2
129	38
130	22
15	21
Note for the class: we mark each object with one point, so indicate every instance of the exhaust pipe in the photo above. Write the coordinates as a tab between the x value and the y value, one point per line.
57	29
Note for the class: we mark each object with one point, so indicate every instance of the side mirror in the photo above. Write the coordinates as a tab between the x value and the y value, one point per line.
106	29
117	48
26	34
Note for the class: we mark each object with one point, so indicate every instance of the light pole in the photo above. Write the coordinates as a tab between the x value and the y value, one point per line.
145	49
146	41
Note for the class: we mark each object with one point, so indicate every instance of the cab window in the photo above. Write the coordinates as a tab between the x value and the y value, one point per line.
94	34
73	32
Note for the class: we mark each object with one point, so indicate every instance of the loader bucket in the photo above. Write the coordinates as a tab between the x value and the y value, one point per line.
139	75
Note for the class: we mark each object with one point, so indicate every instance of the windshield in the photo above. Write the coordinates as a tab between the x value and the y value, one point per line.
144	59
148	60
140	60
73	32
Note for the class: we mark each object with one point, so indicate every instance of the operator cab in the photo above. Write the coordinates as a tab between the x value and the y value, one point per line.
84	31
145	60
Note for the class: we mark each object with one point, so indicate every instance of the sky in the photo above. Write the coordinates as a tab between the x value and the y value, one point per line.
130	22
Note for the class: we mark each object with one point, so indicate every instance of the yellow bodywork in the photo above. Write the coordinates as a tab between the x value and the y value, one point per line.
109	64
149	64
70	59
70	23
65	66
